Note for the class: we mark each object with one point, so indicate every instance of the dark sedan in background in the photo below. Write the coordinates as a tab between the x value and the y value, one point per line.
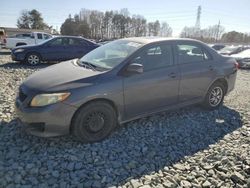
56	49
218	47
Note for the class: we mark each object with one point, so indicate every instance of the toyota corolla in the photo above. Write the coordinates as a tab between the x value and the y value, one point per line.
123	80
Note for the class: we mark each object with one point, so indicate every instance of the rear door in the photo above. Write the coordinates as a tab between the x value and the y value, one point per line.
157	86
77	48
197	70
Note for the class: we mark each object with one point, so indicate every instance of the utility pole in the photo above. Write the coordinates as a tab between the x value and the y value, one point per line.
217	33
197	28
198	18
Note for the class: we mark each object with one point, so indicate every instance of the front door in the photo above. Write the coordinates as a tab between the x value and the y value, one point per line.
157	86
55	50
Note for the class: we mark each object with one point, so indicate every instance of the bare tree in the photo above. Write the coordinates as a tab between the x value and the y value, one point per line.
113	24
166	30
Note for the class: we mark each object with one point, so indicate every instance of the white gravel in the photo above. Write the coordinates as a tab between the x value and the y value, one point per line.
190	147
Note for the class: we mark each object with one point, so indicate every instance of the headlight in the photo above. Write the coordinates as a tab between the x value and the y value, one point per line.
50	98
19	50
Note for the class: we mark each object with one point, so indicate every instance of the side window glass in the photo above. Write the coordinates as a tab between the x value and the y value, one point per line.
56	42
74	42
191	53
155	57
65	41
39	36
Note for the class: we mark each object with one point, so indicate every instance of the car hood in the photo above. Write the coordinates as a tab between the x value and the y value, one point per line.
241	56
26	47
62	76
225	52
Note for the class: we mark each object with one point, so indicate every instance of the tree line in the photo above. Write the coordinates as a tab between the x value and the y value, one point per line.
112	24
215	33
119	24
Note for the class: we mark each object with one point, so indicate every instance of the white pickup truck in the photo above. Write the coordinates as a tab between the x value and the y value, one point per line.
26	39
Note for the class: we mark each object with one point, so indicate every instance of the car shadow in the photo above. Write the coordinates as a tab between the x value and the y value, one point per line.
136	149
5	52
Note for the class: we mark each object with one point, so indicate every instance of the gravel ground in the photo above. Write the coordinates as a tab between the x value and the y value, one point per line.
190	147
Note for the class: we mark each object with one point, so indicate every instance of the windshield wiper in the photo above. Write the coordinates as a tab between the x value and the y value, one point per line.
87	65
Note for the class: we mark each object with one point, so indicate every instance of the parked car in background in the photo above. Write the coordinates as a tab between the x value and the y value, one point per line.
26	39
56	49
2	38
121	81
218	47
243	58
229	50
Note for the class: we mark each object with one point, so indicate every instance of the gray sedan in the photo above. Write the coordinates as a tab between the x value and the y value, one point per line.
123	80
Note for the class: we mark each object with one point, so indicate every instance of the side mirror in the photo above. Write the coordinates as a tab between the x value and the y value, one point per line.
135	68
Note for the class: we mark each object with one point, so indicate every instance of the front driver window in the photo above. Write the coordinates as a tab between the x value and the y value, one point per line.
59	42
155	57
56	42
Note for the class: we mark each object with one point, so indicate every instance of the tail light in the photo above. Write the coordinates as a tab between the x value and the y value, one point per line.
236	64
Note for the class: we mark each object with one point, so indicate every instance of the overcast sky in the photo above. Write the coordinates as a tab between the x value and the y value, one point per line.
233	15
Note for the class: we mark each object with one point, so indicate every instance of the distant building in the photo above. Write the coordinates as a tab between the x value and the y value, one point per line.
10	31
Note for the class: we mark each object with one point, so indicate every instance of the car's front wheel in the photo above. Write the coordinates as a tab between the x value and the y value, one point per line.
94	122
33	59
215	96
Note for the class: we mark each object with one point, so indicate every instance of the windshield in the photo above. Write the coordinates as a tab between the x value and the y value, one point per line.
229	49
245	52
110	55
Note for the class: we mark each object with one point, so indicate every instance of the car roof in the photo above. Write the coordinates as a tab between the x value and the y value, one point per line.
64	36
76	37
147	40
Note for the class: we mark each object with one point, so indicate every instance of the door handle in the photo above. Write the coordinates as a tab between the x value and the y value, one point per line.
172	75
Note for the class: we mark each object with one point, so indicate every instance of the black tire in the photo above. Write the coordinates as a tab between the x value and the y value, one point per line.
94	122
33	59
215	96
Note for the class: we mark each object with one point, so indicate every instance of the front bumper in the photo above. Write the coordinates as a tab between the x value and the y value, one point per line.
17	56
47	121
245	65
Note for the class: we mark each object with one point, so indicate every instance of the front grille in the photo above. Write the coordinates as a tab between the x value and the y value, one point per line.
247	60
22	96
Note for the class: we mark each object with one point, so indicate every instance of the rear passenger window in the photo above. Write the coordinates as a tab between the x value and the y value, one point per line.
74	42
155	57
39	36
191	53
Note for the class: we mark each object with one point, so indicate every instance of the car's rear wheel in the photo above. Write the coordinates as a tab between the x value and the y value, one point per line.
215	96
94	122
33	59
